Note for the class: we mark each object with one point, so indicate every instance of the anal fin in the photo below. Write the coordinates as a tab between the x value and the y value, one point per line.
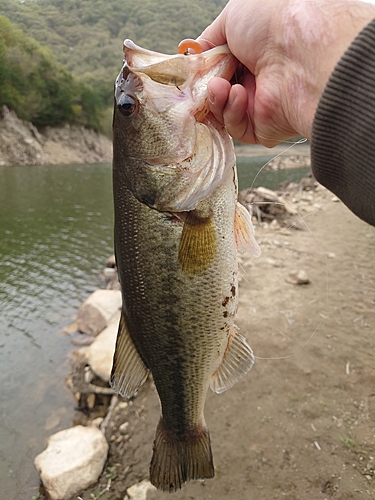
237	361
244	232
128	371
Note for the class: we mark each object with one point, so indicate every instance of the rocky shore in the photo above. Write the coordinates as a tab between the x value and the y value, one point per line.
107	438
22	144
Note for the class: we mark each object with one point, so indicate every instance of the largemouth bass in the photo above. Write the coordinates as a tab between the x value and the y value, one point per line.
177	230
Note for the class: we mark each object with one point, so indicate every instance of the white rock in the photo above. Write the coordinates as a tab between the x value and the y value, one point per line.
100	353
139	491
98	311
109	273
124	428
298	278
72	461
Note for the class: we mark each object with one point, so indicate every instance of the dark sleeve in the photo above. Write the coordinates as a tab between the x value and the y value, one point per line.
343	132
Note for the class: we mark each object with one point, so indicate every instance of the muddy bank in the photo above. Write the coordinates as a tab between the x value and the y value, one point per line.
22	144
300	425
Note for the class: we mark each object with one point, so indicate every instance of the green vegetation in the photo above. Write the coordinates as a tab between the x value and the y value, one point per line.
86	37
37	88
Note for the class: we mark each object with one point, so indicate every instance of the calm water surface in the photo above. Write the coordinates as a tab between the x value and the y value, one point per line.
55	235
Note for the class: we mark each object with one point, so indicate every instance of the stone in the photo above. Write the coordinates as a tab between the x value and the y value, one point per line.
90	400
109	273
73	460
139	491
97	422
100	353
98	311
123	429
111	261
298	278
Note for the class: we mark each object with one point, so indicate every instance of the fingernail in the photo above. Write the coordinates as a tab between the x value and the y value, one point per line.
211	97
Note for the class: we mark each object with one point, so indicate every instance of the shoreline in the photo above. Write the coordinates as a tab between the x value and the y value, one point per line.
285	149
22	144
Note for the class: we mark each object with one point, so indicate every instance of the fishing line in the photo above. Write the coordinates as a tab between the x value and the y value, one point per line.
317	240
294	353
301	141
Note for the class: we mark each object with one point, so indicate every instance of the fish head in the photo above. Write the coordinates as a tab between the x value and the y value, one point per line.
162	146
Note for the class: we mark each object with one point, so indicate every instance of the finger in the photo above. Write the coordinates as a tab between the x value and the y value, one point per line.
236	115
218	93
214	34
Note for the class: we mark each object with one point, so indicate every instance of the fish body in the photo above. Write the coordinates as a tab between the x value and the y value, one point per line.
177	230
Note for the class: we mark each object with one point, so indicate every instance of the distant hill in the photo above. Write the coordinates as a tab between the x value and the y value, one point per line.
38	88
86	36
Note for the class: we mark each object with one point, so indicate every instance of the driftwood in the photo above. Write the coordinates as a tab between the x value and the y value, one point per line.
267	205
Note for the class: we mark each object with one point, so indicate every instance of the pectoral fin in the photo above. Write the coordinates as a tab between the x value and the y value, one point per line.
128	371
238	359
244	232
198	245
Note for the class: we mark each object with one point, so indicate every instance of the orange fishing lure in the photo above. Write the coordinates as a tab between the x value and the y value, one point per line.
189	46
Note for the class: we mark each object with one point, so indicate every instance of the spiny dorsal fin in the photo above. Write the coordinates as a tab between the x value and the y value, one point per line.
198	245
244	232
128	371
238	359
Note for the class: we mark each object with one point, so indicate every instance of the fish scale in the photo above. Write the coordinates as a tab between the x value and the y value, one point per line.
177	266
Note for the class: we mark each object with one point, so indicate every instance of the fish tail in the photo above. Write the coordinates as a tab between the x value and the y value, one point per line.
177	458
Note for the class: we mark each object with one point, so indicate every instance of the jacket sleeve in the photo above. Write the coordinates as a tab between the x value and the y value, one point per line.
343	133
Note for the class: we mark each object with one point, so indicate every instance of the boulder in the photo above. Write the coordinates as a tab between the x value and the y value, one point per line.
139	491
100	353
98	311
72	461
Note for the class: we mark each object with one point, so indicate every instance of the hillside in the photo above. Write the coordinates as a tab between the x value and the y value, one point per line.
86	35
38	88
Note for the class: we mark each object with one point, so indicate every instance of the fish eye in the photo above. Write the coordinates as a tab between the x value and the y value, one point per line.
127	105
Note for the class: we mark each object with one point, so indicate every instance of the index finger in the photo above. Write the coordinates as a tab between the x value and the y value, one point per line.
214	34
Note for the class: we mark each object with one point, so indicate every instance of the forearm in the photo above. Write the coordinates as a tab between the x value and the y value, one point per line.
343	145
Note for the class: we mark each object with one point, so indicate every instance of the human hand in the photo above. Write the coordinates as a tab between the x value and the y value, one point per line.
286	50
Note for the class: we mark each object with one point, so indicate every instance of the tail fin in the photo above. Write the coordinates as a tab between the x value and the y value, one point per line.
179	458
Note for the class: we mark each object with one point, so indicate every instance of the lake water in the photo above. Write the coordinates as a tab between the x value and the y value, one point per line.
55	235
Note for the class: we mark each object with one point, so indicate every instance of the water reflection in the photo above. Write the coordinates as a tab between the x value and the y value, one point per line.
55	232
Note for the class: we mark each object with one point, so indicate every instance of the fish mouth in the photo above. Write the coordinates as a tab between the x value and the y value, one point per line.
177	69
